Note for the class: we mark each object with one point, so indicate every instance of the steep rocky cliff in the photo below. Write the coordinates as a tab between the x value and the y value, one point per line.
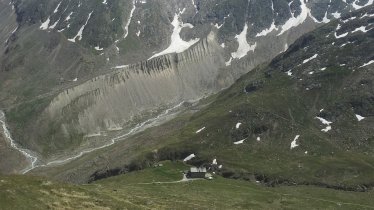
110	101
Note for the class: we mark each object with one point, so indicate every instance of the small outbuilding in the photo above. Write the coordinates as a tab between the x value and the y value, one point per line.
195	172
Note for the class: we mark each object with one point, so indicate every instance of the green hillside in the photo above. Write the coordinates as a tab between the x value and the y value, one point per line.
292	96
155	188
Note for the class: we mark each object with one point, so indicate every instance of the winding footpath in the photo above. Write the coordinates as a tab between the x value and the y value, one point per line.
33	159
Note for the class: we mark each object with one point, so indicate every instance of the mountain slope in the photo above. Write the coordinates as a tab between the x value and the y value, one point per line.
286	119
305	118
160	188
77	70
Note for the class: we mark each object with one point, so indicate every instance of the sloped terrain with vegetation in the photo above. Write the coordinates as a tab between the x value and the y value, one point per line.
161	188
294	132
76	74
304	118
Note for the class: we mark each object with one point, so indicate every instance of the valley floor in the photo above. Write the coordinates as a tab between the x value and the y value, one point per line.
140	190
11	161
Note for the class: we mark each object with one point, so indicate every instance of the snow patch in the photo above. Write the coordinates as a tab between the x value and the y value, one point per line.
129	20
228	63
120	67
295	21
45	24
54	25
69	16
268	30
177	44
294	142
237	126
356	6
367	64
362	29
98	48
189	157
80	32
349	19
218	26
285	47
359	117
367	15
201	129
289	73
325	19
195	6
309	59
239	142
336	15
244	47
325	122
341	35
58	6
214	162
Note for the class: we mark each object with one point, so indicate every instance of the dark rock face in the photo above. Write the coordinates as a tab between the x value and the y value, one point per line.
253	86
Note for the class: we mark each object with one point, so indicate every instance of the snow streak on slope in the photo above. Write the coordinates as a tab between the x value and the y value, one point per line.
304	14
359	117
295	21
272	26
244	46
325	122
354	4
367	64
294	142
45	24
80	32
129	20
201	129
268	30
58	6
309	59
239	142
177	44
